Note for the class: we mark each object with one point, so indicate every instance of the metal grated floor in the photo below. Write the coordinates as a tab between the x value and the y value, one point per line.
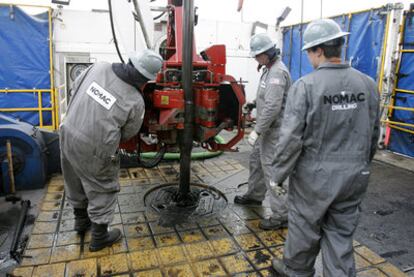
225	244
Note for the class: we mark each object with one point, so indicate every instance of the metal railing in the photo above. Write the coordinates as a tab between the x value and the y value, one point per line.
401	126
39	108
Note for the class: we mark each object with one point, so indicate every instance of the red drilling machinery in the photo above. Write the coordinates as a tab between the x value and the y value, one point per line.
192	98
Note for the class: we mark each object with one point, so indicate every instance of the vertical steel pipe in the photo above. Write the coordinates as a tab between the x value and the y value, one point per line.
186	144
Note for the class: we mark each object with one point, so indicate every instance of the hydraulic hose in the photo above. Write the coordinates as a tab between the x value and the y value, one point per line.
113	31
151	159
194	155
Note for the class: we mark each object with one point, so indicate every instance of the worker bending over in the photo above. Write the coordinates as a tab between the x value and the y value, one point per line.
106	107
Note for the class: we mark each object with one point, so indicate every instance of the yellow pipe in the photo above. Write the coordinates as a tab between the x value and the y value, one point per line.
347	40
399	108
39	101
392	102
407	51
52	78
49	127
52	100
401	129
404	91
50	50
397	123
56	114
25	90
384	52
24	5
57	108
52	95
24	109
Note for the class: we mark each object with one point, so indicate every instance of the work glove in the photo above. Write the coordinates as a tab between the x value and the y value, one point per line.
277	189
252	138
249	106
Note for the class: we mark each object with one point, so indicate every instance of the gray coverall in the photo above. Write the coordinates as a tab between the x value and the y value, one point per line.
327	141
103	111
270	103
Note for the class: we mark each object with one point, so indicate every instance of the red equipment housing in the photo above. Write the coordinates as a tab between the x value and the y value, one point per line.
218	97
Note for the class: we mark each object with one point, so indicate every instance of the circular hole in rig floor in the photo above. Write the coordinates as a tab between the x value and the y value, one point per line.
174	208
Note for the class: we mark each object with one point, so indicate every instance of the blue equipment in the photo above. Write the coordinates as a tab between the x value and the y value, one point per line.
35	154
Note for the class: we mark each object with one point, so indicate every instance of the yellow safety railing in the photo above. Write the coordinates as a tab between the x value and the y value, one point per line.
53	109
401	126
39	108
404	91
384	52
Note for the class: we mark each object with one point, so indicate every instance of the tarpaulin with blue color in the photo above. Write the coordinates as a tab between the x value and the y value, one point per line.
362	49
403	141
24	60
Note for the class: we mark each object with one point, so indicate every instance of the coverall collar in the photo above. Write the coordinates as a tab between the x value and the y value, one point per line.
332	65
128	74
271	62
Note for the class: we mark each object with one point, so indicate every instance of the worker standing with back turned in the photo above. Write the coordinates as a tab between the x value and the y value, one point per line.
270	102
106	107
328	139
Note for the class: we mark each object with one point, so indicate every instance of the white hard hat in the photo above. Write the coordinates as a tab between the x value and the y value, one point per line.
321	31
260	43
147	62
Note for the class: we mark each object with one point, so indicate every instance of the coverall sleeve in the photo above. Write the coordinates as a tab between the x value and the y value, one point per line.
134	121
292	130
375	121
273	96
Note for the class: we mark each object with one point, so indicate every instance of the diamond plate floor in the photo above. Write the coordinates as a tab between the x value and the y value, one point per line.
226	244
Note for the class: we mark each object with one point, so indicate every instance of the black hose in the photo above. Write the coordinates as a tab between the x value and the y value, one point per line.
15	252
135	160
159	16
113	31
150	163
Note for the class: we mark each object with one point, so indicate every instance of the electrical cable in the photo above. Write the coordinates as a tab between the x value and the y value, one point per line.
159	16
113	31
131	160
194	155
154	161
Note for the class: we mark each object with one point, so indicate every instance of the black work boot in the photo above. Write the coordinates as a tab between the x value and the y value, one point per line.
280	267
244	200
101	238
273	223
82	221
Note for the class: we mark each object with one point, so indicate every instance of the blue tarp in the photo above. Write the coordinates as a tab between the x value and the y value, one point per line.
24	60
363	48
400	141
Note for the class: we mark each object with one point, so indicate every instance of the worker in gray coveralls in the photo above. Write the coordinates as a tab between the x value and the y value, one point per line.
106	108
270	102
328	138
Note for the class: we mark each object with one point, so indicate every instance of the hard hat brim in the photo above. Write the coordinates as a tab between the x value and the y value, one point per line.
253	54
323	40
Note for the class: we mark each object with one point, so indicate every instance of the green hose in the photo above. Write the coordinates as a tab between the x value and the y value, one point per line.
194	155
